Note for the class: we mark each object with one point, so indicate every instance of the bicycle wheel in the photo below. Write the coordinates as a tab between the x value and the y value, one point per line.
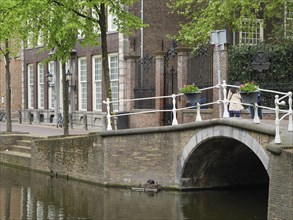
3	118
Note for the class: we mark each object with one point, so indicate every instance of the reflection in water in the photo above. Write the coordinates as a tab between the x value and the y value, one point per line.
28	195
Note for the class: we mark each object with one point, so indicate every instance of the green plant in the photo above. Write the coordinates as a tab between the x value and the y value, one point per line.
248	87
189	89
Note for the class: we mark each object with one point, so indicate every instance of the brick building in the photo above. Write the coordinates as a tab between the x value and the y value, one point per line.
42	101
137	68
16	73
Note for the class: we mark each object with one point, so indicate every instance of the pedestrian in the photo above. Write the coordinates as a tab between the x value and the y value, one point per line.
235	105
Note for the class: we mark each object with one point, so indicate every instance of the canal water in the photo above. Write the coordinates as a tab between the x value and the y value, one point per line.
29	195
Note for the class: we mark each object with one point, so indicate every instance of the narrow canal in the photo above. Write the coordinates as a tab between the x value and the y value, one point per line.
29	195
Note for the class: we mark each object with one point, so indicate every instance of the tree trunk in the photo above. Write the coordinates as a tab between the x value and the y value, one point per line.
65	100
105	63
8	87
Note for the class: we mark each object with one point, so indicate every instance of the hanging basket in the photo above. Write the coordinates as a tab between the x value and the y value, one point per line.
249	97
192	98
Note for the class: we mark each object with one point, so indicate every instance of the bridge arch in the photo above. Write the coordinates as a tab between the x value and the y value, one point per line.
222	156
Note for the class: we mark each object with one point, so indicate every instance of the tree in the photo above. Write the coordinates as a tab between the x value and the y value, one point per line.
60	21
203	16
11	33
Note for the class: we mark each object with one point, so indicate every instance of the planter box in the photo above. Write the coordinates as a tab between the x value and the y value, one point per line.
249	97
192	98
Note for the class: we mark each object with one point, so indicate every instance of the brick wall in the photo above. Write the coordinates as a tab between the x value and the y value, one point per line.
78	157
281	187
16	75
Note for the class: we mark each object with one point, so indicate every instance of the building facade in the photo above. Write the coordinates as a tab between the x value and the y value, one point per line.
42	101
137	63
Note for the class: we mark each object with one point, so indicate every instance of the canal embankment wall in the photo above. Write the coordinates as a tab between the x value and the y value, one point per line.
128	158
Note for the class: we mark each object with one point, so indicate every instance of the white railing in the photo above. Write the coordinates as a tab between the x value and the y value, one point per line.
279	101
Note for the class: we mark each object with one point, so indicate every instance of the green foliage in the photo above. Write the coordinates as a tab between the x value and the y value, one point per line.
59	22
279	75
248	87
189	89
280	57
203	16
11	28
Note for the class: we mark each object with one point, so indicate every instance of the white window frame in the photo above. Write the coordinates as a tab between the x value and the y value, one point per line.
40	41
114	79
30	41
97	83
80	35
30	83
41	80
82	83
254	35
52	89
112	27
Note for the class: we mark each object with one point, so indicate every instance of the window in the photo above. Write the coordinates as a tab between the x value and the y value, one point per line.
80	35
97	83
96	28
288	18
114	79
52	93
251	32
30	86
111	22
82	74
30	41
40	85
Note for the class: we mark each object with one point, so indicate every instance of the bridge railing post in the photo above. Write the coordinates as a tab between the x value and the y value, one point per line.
256	119
109	127
174	110
198	116
290	122
277	120
226	113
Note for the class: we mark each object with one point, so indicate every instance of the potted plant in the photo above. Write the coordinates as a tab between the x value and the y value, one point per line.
249	92
192	94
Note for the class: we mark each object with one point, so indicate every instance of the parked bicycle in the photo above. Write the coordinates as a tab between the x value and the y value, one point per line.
60	120
3	117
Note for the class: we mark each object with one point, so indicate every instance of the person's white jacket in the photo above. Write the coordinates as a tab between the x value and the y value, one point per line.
234	97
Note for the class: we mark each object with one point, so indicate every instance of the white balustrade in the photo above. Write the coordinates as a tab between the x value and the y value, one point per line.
279	101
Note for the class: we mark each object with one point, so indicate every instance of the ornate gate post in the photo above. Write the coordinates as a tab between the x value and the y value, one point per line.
130	80
182	69
159	104
223	65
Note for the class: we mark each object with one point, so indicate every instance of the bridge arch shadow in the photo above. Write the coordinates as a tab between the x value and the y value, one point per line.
220	157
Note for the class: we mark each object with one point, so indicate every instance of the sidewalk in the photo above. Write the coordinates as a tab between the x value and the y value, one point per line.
42	130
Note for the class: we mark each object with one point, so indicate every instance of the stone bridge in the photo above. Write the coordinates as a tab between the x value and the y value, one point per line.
208	154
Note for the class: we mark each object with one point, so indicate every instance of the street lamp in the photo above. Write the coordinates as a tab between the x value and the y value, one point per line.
50	77
68	76
69	79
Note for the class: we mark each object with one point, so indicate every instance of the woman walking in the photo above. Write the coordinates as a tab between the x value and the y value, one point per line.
235	105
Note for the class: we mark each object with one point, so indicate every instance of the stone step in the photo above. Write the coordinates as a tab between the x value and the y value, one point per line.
25	142
16	158
21	149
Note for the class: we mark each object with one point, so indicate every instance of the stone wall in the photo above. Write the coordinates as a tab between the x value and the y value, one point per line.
126	157
130	157
7	140
78	157
281	187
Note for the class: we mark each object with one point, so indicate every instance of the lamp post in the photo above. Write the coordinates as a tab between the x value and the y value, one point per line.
51	84
49	77
70	85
